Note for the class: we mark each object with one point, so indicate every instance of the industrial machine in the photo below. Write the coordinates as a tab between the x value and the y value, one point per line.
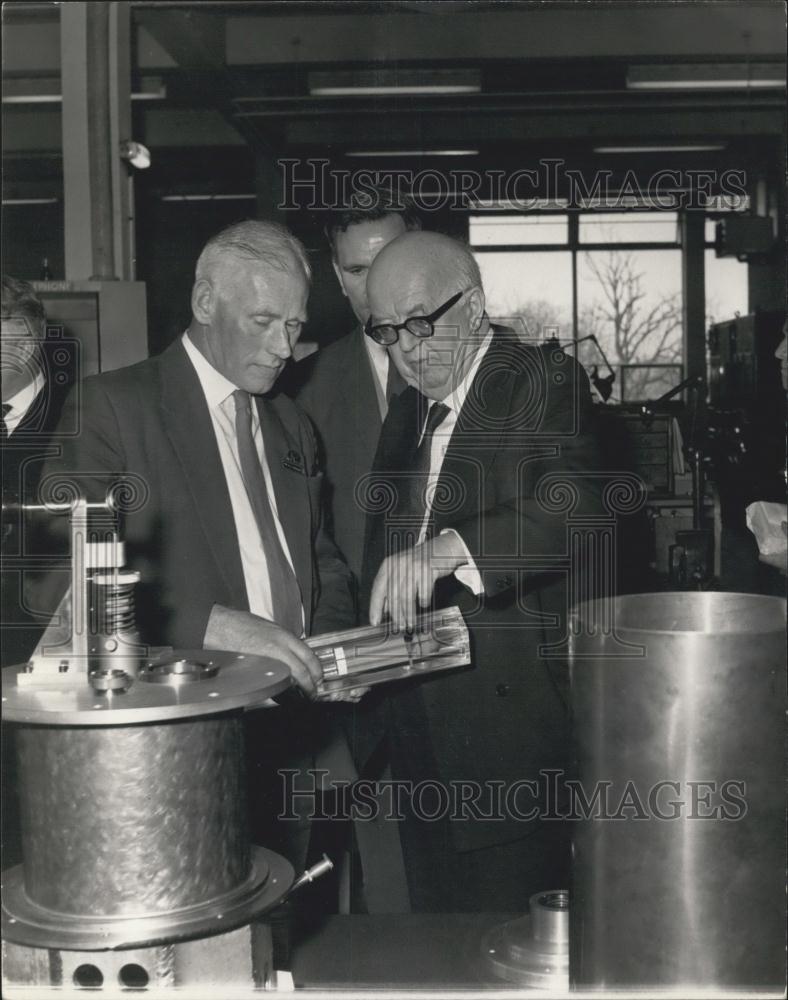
138	870
133	808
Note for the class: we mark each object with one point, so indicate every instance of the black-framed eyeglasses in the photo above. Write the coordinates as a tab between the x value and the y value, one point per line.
422	327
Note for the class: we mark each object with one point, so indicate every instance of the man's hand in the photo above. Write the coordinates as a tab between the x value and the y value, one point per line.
405	582
243	632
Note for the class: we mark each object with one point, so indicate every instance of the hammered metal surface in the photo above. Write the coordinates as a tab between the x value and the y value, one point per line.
133	820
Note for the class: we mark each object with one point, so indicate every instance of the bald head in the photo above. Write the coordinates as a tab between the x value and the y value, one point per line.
432	256
414	276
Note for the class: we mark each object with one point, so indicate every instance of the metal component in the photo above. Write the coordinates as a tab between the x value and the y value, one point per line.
178	672
267	884
158	848
375	654
678	871
110	680
241	959
317	870
98	606
150	786
241	680
534	950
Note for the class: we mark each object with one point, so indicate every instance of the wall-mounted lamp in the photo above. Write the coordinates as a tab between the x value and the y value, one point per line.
136	154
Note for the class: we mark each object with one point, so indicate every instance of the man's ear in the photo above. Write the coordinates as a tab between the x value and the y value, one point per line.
203	301
338	273
476	303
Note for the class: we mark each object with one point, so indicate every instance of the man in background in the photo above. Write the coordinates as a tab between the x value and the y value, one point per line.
346	387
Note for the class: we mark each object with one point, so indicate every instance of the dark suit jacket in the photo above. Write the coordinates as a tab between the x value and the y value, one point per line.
528	413
150	423
338	392
23	456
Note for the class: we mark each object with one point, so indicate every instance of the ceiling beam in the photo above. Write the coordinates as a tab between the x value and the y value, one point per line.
195	39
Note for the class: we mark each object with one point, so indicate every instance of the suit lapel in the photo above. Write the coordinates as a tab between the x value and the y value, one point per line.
286	463
367	422
190	429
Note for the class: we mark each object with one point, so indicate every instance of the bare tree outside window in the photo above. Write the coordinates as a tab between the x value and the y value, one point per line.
638	328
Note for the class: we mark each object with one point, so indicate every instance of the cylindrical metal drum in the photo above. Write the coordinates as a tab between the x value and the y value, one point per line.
133	820
678	857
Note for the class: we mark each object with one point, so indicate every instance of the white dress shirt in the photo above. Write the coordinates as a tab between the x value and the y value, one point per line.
21	402
221	404
467	574
378	356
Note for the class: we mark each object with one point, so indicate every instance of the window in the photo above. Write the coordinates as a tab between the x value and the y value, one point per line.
611	276
529	292
726	280
630	301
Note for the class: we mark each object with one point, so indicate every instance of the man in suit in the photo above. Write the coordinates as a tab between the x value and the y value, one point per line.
227	531
346	386
207	439
462	450
33	394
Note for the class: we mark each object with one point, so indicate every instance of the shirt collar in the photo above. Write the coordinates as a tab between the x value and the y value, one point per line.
215	386
21	401
457	397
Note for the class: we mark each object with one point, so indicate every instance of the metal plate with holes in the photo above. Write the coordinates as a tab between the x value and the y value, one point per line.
226	681
26	923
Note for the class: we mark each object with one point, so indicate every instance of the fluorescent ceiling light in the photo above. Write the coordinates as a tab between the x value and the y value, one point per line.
378	153
707	148
706	76
159	93
383	81
209	197
30	201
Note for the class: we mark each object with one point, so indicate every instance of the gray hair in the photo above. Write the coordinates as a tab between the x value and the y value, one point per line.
254	239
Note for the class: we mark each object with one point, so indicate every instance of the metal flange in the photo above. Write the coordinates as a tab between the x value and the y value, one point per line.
226	681
25	922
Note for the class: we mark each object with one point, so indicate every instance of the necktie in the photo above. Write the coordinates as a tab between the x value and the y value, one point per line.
3	428
285	594
419	472
395	383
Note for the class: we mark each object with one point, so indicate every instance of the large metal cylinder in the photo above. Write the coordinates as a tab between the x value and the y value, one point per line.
133	820
678	866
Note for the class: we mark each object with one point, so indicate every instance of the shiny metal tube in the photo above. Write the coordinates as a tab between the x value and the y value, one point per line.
678	864
133	820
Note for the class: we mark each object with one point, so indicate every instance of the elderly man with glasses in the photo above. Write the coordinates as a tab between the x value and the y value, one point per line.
462	450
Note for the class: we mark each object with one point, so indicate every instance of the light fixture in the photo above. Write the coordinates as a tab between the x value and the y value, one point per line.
706	76
379	153
152	90
30	201
209	197
364	83
689	148
136	154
